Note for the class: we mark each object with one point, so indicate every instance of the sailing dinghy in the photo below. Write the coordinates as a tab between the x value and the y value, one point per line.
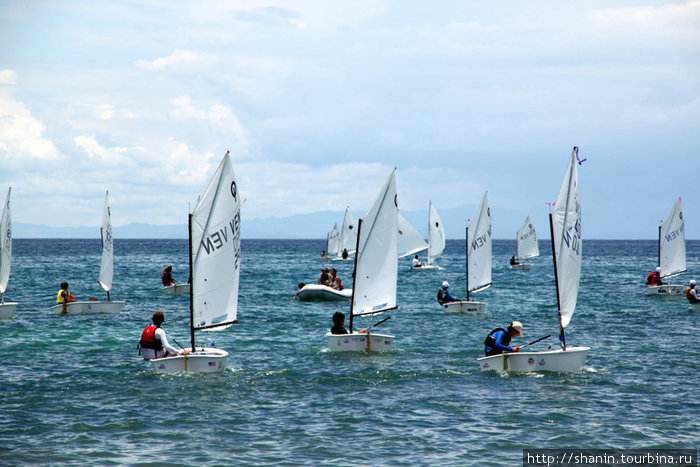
375	272
671	248
108	306
215	256
177	289
526	244
7	309
410	241
565	228
333	241
436	239
348	236
478	261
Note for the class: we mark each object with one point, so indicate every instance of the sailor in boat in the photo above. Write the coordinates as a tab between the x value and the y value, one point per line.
167	277
154	343
416	262
345	253
301	286
513	261
498	340
654	277
339	324
444	296
334	281
64	297
691	292
323	278
323	253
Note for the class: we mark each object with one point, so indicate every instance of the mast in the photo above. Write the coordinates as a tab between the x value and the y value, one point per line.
189	231
354	271
562	337
466	246
658	249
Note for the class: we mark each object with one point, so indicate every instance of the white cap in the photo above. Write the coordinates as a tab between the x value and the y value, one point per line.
445	284
658	269
692	281
518	327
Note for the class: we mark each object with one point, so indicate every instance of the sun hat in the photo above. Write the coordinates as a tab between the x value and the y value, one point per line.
658	269
518	327
692	281
445	284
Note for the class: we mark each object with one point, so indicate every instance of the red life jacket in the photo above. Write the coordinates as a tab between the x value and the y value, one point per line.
654	278
148	338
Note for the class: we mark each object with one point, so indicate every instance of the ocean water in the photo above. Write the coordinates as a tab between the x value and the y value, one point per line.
73	390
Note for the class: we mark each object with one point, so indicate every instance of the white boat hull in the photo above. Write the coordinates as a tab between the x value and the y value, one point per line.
360	342
425	267
521	266
177	289
463	306
89	307
204	360
571	359
7	309
323	293
665	290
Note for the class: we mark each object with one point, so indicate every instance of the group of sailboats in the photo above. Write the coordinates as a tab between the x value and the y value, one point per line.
340	244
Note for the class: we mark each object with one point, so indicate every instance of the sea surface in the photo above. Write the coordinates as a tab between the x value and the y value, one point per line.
73	390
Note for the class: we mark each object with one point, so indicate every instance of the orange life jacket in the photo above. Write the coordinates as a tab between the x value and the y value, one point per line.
148	338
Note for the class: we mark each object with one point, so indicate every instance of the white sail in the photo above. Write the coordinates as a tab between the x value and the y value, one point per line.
436	234
376	267
566	225
527	241
333	241
672	242
215	240
348	234
410	241
479	244
5	244
107	264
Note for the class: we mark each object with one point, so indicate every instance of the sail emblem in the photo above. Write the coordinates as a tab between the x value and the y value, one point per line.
234	189
396	202
680	215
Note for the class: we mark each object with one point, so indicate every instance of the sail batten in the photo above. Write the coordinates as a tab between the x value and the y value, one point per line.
5	243
672	242
376	267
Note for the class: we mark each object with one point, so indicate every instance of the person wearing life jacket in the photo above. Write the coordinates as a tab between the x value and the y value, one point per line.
443	296
64	297
691	293
167	277
498	340
654	277
154	343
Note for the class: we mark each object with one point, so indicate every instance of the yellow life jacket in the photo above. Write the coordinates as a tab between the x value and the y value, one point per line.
59	296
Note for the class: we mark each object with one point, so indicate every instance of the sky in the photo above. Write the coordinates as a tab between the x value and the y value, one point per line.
317	101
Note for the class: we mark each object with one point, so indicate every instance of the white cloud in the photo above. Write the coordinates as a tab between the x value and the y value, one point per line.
184	166
22	135
8	77
218	115
178	57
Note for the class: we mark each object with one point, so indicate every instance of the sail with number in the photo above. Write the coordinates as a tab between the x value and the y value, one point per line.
5	244
566	233
410	241
215	242
107	263
672	242
376	262
348	233
333	241
527	241
436	234
479	248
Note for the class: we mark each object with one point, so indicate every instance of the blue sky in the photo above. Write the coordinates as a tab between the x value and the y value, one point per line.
318	100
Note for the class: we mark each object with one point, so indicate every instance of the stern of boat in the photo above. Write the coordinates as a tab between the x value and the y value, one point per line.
466	307
204	360
360	342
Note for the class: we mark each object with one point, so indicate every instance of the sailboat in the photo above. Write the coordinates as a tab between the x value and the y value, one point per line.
375	272
526	244
671	248
333	241
565	228
7	309
410	241
215	257
436	239
105	278
478	261
348	236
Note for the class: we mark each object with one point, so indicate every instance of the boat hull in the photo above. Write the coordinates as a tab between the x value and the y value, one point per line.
360	342
7	309
425	267
571	359
521	266
323	293
177	289
665	290
90	307
204	360
465	307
